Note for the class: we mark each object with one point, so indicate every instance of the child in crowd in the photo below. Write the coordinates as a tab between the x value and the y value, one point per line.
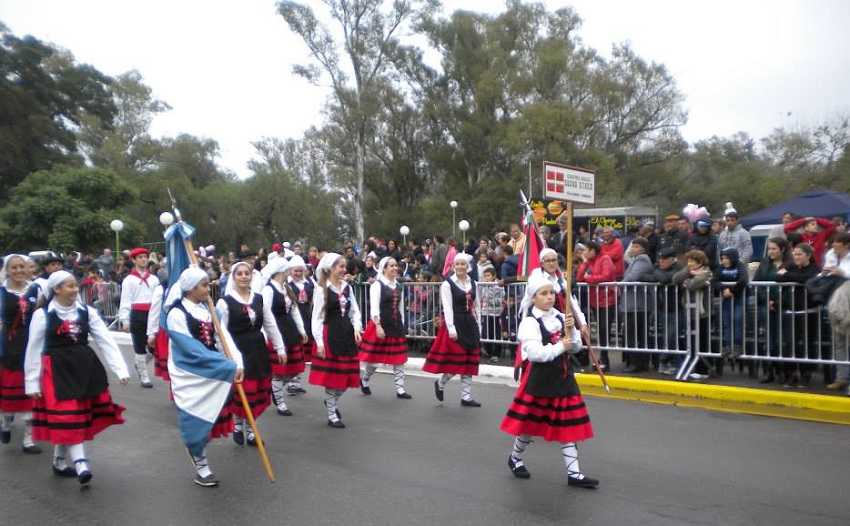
493	325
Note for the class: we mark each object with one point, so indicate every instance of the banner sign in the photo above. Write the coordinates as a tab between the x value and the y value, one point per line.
569	183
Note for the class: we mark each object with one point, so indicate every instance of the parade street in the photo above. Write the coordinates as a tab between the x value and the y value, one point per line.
419	462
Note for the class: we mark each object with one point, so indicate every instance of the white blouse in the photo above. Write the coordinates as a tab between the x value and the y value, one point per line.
269	325
99	333
268	298
446	300
533	347
318	319
177	322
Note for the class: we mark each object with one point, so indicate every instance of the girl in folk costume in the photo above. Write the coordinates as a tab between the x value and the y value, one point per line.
65	378
16	309
302	286
385	339
200	373
284	309
336	328
137	291
246	316
456	348
548	403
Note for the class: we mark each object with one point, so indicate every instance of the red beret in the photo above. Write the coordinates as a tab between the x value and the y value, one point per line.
138	252
276	247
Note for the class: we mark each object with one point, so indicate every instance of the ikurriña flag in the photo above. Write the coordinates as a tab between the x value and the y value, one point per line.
529	258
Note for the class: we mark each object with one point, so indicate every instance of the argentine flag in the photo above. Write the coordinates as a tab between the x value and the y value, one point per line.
201	379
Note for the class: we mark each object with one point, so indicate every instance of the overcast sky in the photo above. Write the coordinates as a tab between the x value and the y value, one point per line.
225	67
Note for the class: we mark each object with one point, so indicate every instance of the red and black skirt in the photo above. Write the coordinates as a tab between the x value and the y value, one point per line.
390	350
258	394
73	420
13	396
160	356
335	371
294	361
556	419
448	356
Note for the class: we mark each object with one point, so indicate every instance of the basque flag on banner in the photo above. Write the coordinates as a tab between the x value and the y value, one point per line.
529	258
200	380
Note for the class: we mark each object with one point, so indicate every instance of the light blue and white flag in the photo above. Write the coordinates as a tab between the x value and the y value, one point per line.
201	384
201	379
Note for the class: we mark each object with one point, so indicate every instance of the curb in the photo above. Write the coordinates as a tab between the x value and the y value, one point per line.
764	402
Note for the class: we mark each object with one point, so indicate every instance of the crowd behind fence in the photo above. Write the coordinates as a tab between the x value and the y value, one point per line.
769	322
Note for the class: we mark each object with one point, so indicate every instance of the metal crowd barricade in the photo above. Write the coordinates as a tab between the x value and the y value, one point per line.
104	298
771	323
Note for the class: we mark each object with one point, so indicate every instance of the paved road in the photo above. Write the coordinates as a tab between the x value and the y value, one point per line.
420	462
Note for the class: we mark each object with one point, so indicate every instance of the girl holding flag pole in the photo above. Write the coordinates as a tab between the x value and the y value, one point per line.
201	375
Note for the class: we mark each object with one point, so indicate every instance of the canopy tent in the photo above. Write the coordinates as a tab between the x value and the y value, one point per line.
820	202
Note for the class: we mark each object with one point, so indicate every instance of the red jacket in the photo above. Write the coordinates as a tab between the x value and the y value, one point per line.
817	241
614	250
598	270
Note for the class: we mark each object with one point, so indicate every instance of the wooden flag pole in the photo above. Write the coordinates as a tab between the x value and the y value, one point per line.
568	297
239	390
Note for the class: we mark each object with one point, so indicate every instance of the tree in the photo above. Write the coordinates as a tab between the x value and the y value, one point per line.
124	144
67	208
369	41
44	95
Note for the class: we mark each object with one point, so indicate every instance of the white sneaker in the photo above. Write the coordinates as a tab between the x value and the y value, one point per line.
698	376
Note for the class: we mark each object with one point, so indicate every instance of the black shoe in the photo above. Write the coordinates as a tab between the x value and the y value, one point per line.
336	425
284	412
365	389
84	477
338	414
520	470
403	396
207	482
437	391
5	437
31	449
146	385
586	482
295	389
67	471
239	437
252	440
469	403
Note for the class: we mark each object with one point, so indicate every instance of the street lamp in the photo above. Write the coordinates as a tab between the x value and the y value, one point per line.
453	204
463	226
166	219
117	226
404	230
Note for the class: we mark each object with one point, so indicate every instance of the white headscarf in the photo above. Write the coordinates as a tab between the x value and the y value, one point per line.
325	264
57	278
10	256
545	252
297	262
231	281
535	282
465	257
274	266
190	278
383	264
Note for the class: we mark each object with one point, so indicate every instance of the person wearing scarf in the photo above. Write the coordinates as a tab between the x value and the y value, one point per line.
284	309
249	320
456	349
302	285
16	309
336	327
137	292
548	403
66	379
385	340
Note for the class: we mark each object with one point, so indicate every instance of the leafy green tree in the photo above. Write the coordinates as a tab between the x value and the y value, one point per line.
44	95
369	43
67	208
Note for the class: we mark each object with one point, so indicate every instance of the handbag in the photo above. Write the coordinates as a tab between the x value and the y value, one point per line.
820	288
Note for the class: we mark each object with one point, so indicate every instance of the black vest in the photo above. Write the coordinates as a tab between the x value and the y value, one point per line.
553	379
77	371
389	310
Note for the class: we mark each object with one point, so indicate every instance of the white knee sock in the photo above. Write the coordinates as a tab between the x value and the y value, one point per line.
237	424
60	451
201	464
8	418
77	453
366	371
398	378
466	387
28	430
142	368
444	380
277	394
570	453
330	404
520	443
